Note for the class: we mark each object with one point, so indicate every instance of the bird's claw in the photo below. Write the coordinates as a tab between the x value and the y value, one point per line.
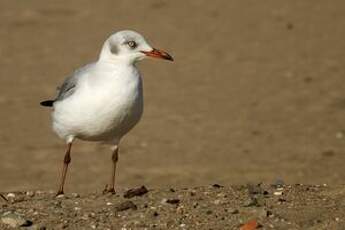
108	190
59	193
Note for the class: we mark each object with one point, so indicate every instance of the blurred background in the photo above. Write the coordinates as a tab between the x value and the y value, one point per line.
256	92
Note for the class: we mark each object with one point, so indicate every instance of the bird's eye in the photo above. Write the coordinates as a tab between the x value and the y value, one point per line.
132	44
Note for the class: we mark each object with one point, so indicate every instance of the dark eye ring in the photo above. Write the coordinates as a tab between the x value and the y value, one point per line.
132	44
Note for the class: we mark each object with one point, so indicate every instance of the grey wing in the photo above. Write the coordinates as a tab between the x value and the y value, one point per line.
69	85
67	88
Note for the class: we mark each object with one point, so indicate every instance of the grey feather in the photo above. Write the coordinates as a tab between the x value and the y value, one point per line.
69	85
67	88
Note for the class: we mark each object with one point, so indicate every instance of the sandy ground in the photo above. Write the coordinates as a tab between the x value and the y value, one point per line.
214	207
256	93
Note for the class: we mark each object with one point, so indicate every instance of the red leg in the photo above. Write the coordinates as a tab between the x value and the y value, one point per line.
66	161
114	158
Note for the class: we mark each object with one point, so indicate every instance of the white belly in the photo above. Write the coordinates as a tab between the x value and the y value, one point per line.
101	112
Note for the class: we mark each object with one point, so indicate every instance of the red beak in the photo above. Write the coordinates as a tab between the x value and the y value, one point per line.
156	53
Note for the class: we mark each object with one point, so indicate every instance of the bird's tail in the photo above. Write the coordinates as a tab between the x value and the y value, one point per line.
48	103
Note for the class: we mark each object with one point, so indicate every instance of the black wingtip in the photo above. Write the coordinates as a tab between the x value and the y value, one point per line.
48	103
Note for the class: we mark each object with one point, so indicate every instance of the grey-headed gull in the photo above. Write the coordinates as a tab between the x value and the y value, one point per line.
103	101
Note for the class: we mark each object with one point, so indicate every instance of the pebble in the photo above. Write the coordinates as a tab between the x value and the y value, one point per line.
135	192
223	195
38	192
15	220
11	195
278	193
61	196
195	204
217	186
233	211
192	193
173	201
180	210
217	202
75	195
30	193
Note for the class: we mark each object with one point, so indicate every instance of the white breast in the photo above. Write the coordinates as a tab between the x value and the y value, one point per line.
108	103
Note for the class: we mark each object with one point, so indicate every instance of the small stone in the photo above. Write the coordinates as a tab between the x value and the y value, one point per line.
234	211
39	192
15	220
180	210
155	214
75	195
173	201
85	217
217	186
135	192
223	195
278	193
125	206
30	193
60	196
109	203
11	195
281	200
217	202
269	213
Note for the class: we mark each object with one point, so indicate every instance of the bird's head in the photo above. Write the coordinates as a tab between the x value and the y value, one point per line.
129	46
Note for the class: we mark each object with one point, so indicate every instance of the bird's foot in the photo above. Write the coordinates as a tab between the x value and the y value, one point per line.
108	190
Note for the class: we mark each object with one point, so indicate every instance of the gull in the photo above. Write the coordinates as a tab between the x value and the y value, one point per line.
103	101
